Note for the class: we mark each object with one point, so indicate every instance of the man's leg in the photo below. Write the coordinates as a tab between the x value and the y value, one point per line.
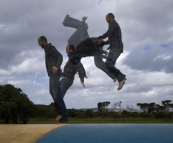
65	84
80	34
101	65
71	22
110	62
56	95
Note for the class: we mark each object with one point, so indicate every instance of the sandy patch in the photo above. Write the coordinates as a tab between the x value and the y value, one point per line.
28	133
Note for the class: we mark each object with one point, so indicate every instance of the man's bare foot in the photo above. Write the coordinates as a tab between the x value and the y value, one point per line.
58	117
115	79
65	18
107	53
121	84
84	18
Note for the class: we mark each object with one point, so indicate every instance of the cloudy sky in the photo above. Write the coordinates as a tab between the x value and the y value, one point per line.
147	61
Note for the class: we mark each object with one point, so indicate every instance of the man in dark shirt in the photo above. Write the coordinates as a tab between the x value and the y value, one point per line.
116	48
53	61
85	46
68	77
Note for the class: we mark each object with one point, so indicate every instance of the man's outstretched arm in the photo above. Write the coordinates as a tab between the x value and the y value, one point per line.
81	72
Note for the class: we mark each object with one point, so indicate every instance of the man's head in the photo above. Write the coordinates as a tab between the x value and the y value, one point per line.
109	17
70	49
42	41
99	42
74	57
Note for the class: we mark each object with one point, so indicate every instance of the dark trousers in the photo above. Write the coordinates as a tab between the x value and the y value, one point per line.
114	53
54	88
65	84
98	60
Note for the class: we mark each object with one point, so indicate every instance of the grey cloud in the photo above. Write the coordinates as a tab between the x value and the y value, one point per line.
153	59
137	88
24	21
144	23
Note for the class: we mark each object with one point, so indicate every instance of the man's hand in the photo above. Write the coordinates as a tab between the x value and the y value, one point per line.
84	18
82	83
100	42
54	69
107	53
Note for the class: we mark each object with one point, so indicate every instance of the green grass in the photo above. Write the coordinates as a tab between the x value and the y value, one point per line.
103	121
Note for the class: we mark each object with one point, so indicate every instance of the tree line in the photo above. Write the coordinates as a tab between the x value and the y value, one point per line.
166	106
16	107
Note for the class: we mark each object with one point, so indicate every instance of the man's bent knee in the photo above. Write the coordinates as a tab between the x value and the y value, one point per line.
98	65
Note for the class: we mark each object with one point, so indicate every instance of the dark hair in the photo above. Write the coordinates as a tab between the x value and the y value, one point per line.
43	38
72	47
111	15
